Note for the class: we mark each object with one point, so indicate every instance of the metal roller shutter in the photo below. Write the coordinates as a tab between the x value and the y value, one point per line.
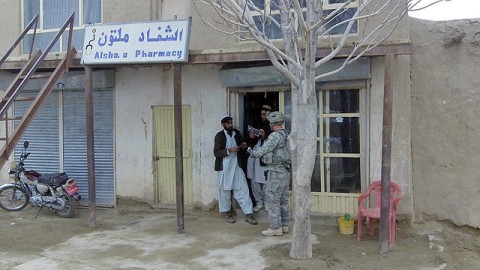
46	140
42	133
75	149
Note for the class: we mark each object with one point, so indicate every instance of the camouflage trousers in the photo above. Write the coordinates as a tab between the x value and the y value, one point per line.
276	198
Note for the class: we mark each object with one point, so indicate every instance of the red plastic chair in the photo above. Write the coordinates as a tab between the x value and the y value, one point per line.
374	212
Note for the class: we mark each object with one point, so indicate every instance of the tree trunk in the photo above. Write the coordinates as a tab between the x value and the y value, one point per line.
303	164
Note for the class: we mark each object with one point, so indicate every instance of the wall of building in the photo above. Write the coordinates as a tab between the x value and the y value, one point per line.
122	11
137	89
10	19
207	40
204	39
445	122
401	167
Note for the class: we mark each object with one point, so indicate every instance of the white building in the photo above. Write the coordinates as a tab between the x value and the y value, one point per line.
134	144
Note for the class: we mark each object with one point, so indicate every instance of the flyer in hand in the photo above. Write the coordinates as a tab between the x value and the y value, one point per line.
254	130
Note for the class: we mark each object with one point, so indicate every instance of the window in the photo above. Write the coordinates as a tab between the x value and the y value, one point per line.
338	155
338	160
52	15
273	31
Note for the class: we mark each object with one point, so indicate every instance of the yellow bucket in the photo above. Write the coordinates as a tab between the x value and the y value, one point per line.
346	227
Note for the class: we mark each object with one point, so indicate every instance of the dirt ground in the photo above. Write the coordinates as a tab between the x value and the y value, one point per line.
137	236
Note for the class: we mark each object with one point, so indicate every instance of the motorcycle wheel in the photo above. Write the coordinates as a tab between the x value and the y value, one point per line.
13	198
70	206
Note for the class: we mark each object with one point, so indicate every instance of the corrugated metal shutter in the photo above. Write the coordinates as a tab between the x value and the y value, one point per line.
75	143
42	133
45	142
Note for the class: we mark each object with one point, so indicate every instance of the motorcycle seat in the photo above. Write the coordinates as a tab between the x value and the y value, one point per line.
33	173
55	179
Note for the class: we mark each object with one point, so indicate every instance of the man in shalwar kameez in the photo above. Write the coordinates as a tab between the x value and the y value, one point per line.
255	168
257	175
230	176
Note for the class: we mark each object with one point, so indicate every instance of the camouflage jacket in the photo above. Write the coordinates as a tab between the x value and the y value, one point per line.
276	143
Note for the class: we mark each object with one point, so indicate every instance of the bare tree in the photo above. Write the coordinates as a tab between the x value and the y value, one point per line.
303	26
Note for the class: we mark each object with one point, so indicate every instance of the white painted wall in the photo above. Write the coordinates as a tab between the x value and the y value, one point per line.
137	89
401	169
10	19
401	134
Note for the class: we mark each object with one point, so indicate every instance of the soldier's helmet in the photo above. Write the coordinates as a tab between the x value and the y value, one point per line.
276	118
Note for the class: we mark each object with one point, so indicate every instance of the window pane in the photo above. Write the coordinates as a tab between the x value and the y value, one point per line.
341	101
316	180
343	16
259	3
269	28
55	13
32	8
343	174
91	11
77	39
42	40
275	4
341	135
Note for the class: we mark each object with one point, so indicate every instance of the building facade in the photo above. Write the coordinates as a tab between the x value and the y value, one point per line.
134	123
445	94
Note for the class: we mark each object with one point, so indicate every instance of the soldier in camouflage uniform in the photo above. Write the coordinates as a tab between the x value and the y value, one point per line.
275	154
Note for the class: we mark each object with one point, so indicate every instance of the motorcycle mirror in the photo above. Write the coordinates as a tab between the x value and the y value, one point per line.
25	144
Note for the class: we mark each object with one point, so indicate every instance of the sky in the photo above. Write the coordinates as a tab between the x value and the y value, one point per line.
451	10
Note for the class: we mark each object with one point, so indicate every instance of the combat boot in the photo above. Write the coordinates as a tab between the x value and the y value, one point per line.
258	207
272	232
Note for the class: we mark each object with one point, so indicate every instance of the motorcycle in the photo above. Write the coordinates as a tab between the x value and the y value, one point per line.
54	191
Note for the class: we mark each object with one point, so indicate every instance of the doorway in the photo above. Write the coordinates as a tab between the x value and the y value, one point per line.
253	102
